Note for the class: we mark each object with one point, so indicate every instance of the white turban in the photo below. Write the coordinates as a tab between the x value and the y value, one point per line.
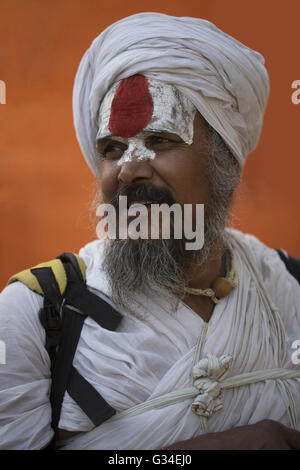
225	80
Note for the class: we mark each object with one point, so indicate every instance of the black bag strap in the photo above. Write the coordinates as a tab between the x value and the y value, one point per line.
63	318
91	402
49	285
79	298
292	264
70	258
49	314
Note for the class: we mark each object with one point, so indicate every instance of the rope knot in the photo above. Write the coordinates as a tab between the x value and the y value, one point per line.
207	374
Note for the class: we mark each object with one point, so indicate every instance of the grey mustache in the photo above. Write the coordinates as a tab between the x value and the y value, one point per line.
144	192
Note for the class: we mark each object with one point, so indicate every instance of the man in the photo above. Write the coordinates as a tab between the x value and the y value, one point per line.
166	110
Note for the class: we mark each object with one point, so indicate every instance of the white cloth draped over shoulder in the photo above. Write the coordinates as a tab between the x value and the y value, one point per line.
225	80
169	375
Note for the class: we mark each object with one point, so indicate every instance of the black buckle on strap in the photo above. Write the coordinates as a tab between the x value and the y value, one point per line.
49	318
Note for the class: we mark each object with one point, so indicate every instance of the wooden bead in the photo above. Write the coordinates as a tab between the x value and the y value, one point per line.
222	287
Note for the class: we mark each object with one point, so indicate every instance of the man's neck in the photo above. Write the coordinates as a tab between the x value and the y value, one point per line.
201	277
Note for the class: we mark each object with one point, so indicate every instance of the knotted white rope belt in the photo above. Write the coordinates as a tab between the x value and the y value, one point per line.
208	383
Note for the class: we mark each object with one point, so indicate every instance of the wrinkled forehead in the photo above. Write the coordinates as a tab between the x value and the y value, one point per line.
138	104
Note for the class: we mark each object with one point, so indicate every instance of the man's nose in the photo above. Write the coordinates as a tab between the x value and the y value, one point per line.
135	170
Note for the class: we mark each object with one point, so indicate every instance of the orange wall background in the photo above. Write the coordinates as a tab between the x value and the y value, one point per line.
46	187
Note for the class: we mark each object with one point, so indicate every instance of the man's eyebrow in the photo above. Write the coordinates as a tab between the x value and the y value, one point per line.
156	131
146	133
109	138
161	132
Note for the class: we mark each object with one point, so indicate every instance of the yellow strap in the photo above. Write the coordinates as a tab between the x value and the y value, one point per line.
81	265
56	265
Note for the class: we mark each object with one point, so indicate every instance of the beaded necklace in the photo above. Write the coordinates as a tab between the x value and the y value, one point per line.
222	286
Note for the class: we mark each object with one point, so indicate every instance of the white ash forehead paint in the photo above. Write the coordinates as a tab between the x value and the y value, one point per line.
171	112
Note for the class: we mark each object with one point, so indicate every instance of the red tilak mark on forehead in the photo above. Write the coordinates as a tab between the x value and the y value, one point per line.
132	107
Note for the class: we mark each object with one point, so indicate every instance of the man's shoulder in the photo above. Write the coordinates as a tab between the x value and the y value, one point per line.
89	256
267	258
254	244
21	299
92	252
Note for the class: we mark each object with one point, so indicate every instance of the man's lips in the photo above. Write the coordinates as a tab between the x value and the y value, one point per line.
134	208
147	203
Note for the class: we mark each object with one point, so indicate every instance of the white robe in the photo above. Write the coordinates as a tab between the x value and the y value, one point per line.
153	355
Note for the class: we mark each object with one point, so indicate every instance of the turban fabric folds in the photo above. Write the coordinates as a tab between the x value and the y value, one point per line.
225	80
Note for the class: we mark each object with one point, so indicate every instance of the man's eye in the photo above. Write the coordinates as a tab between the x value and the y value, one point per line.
158	140
113	151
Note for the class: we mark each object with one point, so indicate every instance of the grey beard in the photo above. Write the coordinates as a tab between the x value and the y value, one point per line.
149	267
